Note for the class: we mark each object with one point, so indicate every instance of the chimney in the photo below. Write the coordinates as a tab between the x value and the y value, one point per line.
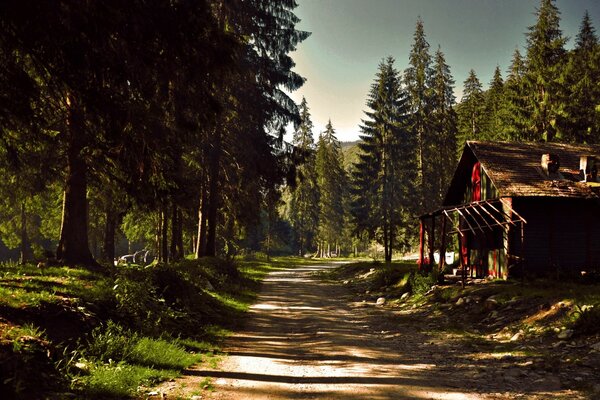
587	168
550	163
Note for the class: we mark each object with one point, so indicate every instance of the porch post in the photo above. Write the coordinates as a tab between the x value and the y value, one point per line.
431	244
442	246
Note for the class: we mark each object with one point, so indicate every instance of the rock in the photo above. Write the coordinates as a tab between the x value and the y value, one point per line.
380	301
367	291
405	296
490	303
566	334
596	346
82	366
152	394
516	336
460	301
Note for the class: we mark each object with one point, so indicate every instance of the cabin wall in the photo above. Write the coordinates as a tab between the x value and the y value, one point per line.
487	189
560	235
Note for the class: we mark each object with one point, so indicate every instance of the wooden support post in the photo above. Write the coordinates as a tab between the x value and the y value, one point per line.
431	244
442	247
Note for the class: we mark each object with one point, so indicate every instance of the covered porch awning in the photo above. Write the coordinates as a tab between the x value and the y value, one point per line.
478	218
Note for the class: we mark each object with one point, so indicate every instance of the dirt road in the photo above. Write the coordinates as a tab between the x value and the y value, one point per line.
306	339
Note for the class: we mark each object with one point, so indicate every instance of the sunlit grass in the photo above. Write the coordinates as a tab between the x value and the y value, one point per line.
120	380
162	354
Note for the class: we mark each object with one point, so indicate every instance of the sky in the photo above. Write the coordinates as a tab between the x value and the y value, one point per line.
350	37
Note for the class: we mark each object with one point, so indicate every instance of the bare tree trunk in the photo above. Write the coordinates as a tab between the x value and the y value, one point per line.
201	244
164	240
25	252
213	196
73	247
110	228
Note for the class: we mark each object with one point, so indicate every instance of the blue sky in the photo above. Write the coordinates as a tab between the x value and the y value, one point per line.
350	37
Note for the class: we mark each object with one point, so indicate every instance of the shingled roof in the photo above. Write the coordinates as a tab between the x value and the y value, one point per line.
514	168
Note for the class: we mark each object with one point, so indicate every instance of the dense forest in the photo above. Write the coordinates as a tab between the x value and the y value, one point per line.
159	126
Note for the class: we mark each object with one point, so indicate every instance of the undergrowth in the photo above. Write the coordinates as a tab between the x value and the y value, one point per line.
109	333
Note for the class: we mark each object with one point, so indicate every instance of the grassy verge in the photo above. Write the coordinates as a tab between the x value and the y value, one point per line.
541	307
69	330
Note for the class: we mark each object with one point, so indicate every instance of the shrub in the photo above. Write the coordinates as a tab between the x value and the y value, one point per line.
587	319
111	342
419	283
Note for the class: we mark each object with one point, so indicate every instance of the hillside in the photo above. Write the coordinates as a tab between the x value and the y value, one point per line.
350	151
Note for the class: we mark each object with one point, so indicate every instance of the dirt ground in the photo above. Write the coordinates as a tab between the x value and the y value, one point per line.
306	338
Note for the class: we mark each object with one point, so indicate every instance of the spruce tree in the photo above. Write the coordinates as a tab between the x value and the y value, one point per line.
545	57
581	77
494	99
417	80
514	112
444	127
304	213
471	111
383	178
331	180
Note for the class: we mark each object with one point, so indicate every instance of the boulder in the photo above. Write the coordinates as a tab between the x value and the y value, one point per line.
566	334
380	301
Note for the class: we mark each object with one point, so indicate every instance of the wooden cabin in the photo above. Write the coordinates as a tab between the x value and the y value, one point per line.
519	208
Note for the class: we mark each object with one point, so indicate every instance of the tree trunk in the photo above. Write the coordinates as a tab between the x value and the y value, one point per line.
164	239
213	196
176	234
110	228
201	244
25	250
73	247
158	238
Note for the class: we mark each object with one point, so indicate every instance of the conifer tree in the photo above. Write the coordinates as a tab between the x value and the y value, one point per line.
444	121
471	111
545	58
417	80
514	113
304	213
581	77
383	178
331	179
494	99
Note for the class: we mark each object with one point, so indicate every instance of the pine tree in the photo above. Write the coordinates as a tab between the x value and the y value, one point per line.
545	56
581	77
304	213
444	127
514	114
471	111
331	179
417	80
494	99
383	178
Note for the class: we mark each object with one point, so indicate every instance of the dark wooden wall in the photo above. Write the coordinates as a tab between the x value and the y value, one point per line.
561	234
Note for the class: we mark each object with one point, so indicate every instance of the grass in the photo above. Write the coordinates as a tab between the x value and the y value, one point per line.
160	321
121	380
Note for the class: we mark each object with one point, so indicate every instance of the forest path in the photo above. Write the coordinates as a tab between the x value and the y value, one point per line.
306	338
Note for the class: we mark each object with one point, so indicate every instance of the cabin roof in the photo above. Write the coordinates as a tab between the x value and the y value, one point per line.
515	170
